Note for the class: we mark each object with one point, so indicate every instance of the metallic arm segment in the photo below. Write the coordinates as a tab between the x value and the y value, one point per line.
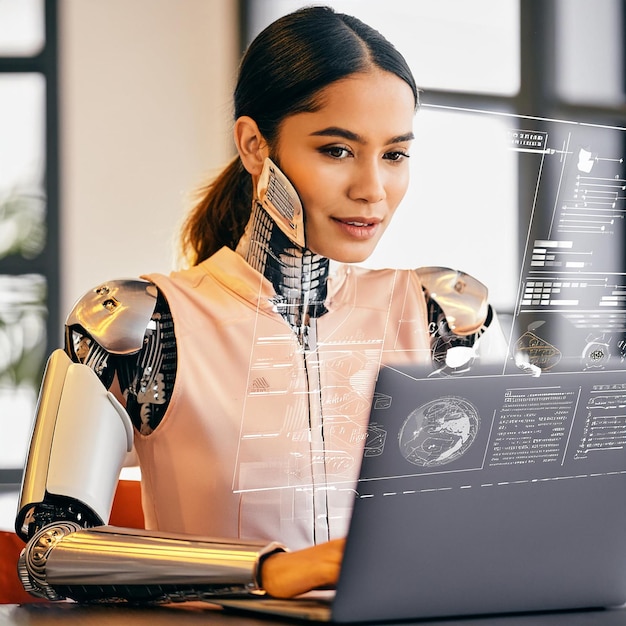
80	439
107	563
462	298
462	324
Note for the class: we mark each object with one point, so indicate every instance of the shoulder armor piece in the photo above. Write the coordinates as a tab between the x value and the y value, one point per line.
462	298
116	314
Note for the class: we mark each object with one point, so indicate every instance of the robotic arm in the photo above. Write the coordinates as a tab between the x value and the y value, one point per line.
63	560
80	440
81	436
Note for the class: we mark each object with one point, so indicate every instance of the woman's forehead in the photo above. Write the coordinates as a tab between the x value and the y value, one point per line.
374	105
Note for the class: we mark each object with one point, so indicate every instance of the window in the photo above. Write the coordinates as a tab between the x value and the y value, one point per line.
28	218
589	61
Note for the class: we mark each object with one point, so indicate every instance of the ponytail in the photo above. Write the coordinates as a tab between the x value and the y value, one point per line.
220	215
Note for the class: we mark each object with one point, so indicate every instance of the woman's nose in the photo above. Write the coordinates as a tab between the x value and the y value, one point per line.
367	184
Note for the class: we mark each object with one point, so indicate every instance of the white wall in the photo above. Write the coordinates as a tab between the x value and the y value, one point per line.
145	106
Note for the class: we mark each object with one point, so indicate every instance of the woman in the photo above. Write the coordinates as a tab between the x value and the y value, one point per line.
249	375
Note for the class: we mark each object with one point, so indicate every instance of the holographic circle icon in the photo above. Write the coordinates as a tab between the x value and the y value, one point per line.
439	431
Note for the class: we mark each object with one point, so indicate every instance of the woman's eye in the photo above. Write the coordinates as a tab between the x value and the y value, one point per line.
337	152
397	155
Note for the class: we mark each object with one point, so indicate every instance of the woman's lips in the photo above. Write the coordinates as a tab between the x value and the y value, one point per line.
358	227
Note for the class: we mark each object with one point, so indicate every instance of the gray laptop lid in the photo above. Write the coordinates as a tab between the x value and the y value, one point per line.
484	494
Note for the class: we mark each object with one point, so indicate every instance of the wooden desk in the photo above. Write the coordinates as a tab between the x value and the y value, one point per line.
66	614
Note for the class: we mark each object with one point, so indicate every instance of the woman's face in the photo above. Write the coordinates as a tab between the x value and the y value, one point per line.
349	162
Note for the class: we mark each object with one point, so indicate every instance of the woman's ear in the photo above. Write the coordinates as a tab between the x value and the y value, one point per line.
251	145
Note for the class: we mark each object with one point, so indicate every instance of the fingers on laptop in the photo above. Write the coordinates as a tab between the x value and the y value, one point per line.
288	574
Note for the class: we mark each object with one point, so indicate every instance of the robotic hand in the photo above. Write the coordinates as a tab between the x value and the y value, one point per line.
80	440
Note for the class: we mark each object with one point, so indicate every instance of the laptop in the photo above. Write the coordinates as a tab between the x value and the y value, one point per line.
479	494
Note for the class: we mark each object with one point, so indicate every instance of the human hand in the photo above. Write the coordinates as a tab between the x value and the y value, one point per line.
287	574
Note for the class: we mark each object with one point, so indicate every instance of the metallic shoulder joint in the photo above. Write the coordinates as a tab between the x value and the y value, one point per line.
461	297
116	314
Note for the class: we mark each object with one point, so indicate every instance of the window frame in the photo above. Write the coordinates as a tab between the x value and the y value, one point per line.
47	263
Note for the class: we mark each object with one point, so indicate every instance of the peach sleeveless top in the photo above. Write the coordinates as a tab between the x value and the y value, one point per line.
262	440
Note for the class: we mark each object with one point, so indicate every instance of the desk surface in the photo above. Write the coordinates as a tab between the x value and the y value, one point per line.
196	613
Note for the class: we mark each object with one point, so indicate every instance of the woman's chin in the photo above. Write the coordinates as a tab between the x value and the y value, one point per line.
344	254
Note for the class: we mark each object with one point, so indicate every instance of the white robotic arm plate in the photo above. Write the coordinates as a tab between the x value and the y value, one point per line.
80	439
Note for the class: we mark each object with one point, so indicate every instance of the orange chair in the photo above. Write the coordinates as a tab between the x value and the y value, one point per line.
11	590
126	512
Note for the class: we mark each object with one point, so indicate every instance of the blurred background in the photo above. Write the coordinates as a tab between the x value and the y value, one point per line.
112	113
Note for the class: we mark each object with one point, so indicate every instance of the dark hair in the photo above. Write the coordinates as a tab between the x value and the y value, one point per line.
281	74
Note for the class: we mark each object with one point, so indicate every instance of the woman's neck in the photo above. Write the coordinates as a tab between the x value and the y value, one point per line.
298	275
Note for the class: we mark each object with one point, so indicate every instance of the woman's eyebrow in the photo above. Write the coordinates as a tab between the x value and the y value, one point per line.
402	138
336	131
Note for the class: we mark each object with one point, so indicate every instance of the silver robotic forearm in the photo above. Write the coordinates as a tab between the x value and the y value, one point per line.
106	563
80	440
